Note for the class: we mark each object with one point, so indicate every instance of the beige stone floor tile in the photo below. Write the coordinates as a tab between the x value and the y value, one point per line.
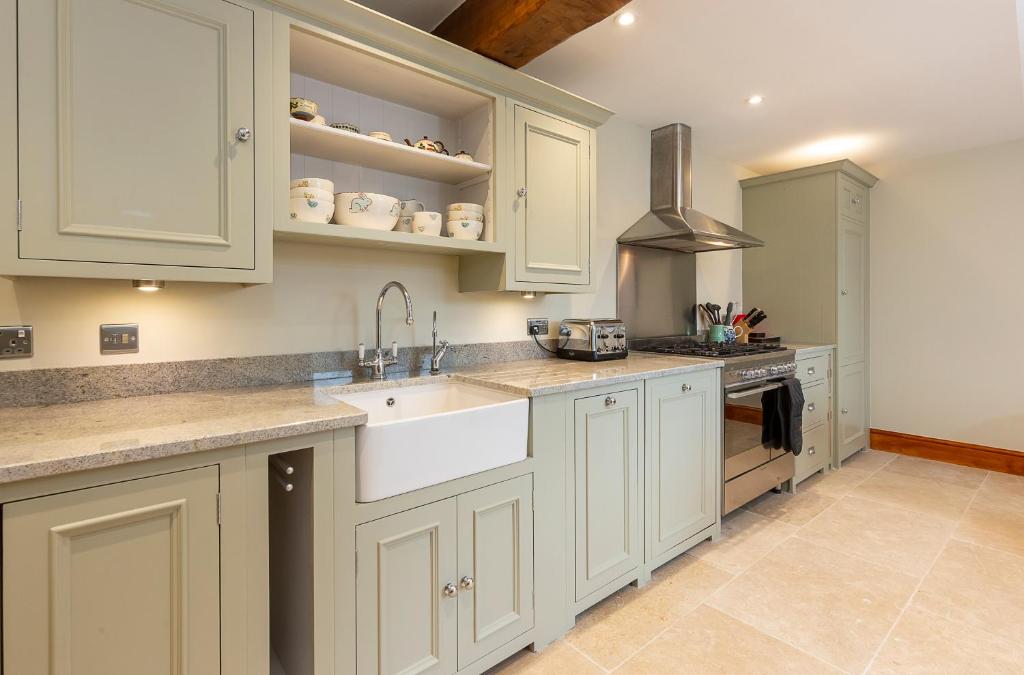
795	509
835	483
964	476
923	495
746	537
896	538
995	527
978	586
1003	491
613	630
558	659
924	644
834	606
868	460
708	641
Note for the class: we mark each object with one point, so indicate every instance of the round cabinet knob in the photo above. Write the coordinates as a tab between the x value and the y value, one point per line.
856	201
845	411
810	371
449	590
243	134
686	387
610	401
811	407
844	292
467	583
521	192
811	450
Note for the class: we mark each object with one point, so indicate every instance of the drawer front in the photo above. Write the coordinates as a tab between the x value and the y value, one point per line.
815	405
812	369
853	200
815	454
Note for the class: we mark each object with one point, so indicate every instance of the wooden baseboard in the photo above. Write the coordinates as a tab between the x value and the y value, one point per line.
742	413
953	452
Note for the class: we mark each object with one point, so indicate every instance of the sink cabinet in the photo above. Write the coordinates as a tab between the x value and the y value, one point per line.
682	460
442	585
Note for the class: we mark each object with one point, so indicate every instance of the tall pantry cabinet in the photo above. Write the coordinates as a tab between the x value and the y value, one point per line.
812	276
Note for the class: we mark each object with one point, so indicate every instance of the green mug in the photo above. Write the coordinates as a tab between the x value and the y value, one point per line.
716	333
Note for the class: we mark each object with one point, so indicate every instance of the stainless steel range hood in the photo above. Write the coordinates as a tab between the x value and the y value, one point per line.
671	223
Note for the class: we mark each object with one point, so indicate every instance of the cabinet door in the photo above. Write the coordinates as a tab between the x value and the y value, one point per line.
681	459
407	621
495	567
114	580
853	292
552	205
853	414
607	489
128	111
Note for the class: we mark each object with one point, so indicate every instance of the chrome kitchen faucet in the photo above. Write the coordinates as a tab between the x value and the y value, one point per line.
379	363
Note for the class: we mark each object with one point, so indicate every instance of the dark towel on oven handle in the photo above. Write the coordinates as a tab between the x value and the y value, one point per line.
782	411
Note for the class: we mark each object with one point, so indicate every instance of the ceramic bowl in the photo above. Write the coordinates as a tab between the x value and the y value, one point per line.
466	206
404	224
465	229
345	126
303	108
465	215
380	135
427	222
366	209
318	119
310	210
464	156
319	183
311	193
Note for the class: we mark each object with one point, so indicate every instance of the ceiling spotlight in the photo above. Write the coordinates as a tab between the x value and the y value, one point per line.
756	99
147	285
625	19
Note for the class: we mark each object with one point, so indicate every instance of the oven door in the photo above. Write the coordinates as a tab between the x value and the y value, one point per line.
743	449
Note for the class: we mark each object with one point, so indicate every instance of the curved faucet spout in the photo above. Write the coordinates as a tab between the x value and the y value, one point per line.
380	301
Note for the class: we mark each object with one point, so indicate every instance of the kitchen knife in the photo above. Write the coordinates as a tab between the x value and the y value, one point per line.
756	319
707	314
728	315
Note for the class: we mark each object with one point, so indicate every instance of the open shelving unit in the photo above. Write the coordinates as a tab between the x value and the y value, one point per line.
358	237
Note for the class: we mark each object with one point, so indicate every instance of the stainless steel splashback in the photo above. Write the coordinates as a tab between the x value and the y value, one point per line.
657	292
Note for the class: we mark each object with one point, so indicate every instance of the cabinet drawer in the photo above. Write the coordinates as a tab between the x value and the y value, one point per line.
812	369
815	454
815	405
853	200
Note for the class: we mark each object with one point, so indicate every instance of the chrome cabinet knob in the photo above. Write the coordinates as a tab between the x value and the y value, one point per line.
811	407
610	401
449	590
811	450
856	201
521	192
243	134
844	292
467	583
686	387
845	411
810	371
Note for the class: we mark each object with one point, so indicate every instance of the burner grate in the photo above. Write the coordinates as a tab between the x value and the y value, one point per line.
714	349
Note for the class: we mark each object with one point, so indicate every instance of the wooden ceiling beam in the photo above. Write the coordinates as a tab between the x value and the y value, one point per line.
515	32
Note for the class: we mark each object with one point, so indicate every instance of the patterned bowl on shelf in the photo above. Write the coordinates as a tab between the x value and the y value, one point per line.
366	209
310	210
465	229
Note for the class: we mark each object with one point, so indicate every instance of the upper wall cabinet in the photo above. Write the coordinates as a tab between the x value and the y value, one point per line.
143	148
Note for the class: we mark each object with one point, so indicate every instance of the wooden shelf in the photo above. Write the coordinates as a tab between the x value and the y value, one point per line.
344	146
346	235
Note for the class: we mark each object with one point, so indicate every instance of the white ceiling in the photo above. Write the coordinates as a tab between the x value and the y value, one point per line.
872	80
424	14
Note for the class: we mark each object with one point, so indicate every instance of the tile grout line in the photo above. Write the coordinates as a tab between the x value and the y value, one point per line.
584	654
913	594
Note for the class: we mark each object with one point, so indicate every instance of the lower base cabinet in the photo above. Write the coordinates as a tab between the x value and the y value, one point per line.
853	413
815	375
442	585
119	578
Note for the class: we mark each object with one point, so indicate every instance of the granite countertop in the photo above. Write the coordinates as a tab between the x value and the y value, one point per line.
551	376
808	349
42	441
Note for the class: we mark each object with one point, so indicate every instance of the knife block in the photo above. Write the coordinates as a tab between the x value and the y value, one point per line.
742	332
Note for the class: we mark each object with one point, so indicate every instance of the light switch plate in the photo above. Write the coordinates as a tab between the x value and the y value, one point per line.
119	338
16	342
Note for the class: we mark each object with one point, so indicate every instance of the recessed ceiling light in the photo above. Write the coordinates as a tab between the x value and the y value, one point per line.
625	19
756	99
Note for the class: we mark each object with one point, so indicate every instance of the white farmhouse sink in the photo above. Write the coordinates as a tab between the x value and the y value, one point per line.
428	434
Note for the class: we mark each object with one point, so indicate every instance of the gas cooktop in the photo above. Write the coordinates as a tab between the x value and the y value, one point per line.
715	350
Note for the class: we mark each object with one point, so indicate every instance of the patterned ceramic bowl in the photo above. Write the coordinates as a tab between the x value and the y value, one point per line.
366	209
319	183
311	193
465	215
466	206
303	108
427	222
310	210
465	229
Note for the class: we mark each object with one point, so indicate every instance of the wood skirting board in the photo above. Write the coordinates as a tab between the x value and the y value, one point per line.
953	452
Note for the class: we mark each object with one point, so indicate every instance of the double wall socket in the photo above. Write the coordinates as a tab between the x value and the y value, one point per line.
16	342
538	327
119	338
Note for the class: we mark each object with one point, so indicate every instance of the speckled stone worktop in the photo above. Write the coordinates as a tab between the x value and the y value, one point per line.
551	376
40	441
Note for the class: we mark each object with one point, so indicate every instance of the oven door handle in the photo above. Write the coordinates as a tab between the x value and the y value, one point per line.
751	392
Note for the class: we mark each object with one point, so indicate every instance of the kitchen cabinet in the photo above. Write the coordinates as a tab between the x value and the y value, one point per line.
142	143
812	277
118	578
815	375
607	491
442	585
682	459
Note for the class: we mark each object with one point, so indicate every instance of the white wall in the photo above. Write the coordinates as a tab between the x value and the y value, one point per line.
947	280
323	297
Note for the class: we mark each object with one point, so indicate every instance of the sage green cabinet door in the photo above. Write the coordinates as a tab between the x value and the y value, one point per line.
853	292
607	489
407	621
853	414
128	111
495	567
553	202
681	458
121	579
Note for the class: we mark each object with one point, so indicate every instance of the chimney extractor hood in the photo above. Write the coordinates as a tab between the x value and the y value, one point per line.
671	223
